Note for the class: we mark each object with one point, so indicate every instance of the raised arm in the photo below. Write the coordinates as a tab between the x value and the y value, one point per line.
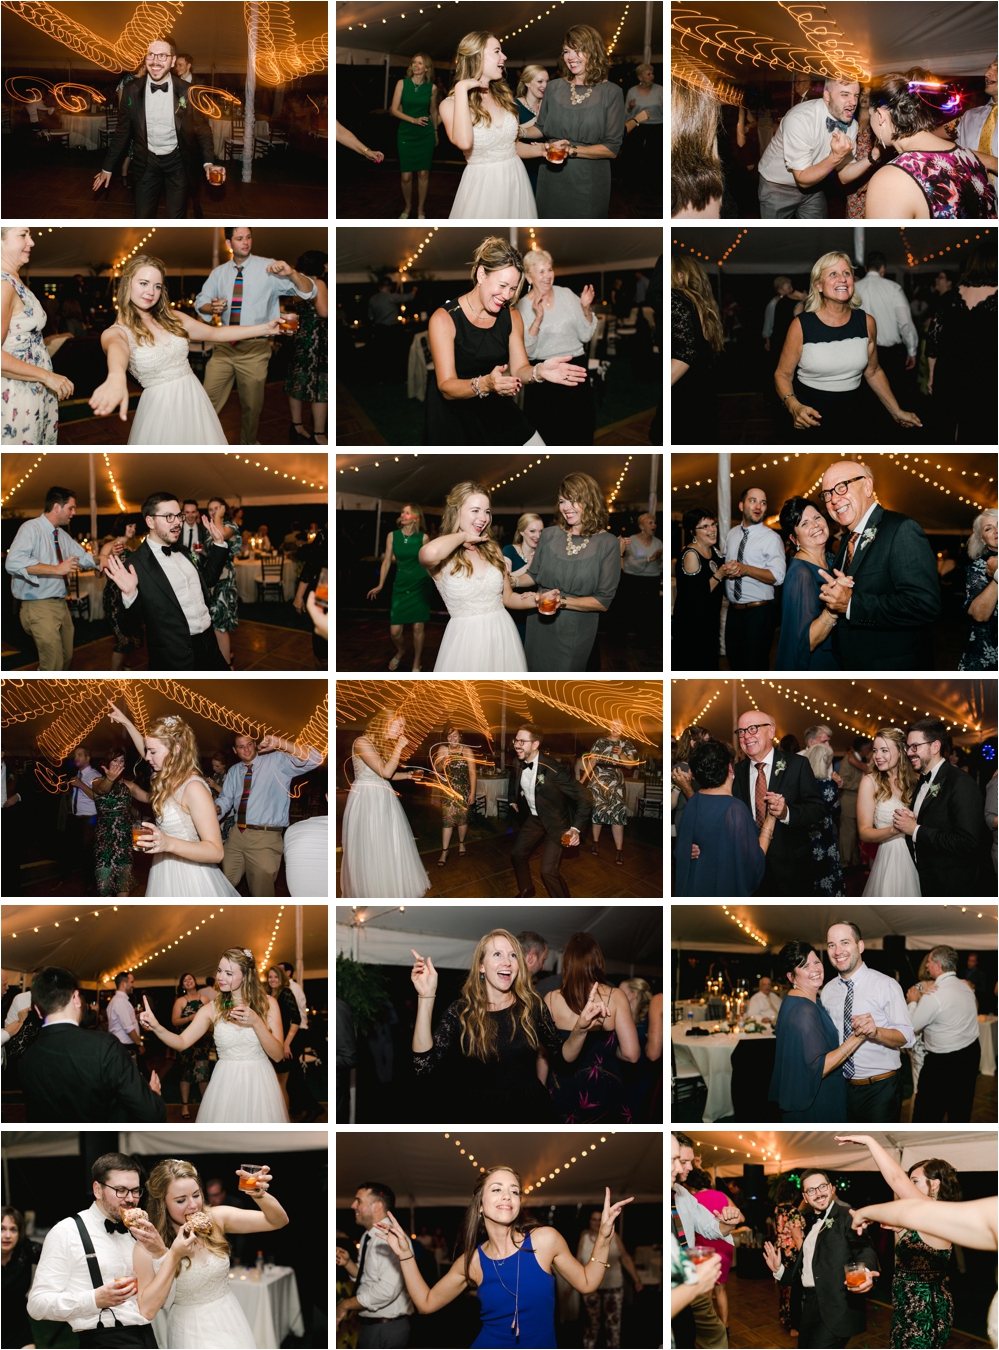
425	1299
116	715
968	1223
587	1278
386	768
270	1213
893	1173
202	1022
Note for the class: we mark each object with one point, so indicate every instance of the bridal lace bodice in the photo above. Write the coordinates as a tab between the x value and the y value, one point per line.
365	776
494	144
469	597
175	821
161	363
235	1042
205	1280
883	812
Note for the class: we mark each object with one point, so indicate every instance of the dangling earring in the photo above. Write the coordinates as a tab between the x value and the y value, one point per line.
481	976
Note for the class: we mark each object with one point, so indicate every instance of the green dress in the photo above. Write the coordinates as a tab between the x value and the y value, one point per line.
922	1307
113	841
416	144
412	588
606	782
455	771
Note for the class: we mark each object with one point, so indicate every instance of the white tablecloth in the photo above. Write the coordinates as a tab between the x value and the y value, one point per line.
248	574
634	790
987	1036
222	132
492	789
84	129
712	1058
700	1012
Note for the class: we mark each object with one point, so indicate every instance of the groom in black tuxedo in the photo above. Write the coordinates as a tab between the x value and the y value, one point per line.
172	140
543	803
885	586
945	830
172	594
772	782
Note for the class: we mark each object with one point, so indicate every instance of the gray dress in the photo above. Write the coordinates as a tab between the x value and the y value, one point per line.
579	189
564	640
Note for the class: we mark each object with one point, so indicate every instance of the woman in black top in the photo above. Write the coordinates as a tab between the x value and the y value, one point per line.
291	1021
477	344
492	1036
19	1255
696	341
699	592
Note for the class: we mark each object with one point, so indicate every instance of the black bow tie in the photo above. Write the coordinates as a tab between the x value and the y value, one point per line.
924	778
118	1227
528	767
173	548
160	88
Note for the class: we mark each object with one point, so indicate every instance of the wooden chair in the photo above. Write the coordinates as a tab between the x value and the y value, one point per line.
271	583
79	605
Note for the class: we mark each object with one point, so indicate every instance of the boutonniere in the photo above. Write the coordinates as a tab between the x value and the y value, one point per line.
181	103
869	534
934	789
828	1221
541	779
780	766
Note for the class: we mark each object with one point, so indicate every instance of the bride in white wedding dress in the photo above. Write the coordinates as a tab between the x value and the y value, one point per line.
480	118
892	783
246	1023
186	841
151	339
193	1282
469	571
379	857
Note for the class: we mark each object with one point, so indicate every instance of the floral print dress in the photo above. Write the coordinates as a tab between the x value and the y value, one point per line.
788	1219
681	1271
30	411
113	841
922	1307
825	845
454	770
606	782
196	1066
307	379
592	1089
225	603
955	185
980	653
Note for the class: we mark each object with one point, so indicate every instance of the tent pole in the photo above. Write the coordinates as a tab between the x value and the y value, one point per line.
385	97
249	113
378	525
654	485
858	245
92	475
724	496
513	235
299	919
503	726
647	45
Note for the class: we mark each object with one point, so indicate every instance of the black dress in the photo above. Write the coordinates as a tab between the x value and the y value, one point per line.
506	1088
493	420
17	1329
697	614
963	341
693	400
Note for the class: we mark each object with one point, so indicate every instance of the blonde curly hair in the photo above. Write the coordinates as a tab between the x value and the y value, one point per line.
255	995
176	1169
488	549
468	66
908	779
181	763
162	312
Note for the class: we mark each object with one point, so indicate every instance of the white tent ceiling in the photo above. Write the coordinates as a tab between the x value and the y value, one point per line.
973	1151
278	477
708	927
65	1144
64	250
429	1169
949	39
795	248
851	707
630	936
447	255
96	942
214	34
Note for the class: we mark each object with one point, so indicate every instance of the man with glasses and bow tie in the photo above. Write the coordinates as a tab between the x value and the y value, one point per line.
542	800
85	1275
884	584
814	139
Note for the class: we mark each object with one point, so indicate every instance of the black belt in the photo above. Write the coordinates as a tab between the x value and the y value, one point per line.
279	828
401	1318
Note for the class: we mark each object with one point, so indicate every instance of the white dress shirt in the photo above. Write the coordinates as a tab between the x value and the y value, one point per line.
189	536
801	140
969	131
885	302
882	997
300	999
61	1290
381	1290
182	575
923	793
161	130
17	1007
768	760
81	804
948	1019
763	1005
763	549
122	1018
695	1218
529	781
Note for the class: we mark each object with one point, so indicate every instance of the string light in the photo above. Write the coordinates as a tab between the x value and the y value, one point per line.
732	247
819	27
521	473
114	486
132	252
570	1162
278	58
276	472
617	31
678	730
704	76
168	946
148	22
203	98
265	962
24	478
899	460
748	929
832	55
524	27
419	249
617	486
74	103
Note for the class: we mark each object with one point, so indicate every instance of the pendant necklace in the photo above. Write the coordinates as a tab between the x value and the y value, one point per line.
515	1324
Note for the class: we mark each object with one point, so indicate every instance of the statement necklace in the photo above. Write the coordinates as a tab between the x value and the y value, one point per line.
576	99
572	551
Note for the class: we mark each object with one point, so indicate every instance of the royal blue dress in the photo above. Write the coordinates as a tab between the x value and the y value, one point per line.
805	1035
800	604
731	861
518	1285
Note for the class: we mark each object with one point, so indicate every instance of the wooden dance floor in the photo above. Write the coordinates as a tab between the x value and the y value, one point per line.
256	646
485	873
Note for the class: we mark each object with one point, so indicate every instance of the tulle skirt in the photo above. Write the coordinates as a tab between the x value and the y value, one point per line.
496	191
894	873
242	1090
380	858
173	877
482	642
176	413
220	1325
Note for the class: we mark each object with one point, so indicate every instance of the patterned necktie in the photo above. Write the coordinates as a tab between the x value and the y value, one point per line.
247	783
236	307
849	1068
742	554
761	793
850	547
988	126
677	1222
59	558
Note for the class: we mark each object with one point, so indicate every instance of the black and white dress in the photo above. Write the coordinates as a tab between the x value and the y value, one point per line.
832	364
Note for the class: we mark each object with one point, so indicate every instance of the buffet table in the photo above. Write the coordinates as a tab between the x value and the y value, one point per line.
248	573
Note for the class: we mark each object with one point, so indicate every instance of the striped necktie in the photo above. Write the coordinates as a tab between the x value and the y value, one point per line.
742	554
849	1068
59	559
236	307
247	784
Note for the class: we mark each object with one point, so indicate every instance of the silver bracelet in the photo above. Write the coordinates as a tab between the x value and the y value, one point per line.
479	393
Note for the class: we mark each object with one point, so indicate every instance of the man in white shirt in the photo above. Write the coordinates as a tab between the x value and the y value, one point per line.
765	1004
814	139
194	538
976	130
947	1015
96	1297
885	302
863	1000
123	1024
754	565
383	1306
689	1219
83	818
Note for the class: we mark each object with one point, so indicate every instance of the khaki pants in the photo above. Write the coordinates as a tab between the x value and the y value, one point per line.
255	853
50	626
711	1333
244	364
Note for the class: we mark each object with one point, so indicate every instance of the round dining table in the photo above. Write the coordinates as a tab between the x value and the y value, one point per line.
492	789
222	132
711	1056
84	129
248	573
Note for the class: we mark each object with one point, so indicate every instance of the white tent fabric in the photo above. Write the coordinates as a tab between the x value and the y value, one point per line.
40	1144
707	927
250	1142
434	1169
64	250
971	1151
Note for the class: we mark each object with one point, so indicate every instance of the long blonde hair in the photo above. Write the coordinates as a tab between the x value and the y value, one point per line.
181	763
468	66
377	730
478	1027
644	991
815	300
689	278
162	312
908	779
176	1169
488	549
255	995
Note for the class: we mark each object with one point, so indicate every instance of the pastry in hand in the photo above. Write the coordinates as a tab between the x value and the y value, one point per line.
130	1216
199	1222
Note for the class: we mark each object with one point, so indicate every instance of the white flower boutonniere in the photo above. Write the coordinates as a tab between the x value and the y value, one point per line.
181	103
541	779
829	1219
869	534
934	789
780	766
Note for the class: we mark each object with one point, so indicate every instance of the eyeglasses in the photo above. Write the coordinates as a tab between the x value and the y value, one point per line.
817	1190
744	731
173	516
914	745
123	1193
839	489
517	742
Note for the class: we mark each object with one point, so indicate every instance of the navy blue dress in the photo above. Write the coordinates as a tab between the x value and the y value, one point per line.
800	606
805	1035
731	861
519	616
